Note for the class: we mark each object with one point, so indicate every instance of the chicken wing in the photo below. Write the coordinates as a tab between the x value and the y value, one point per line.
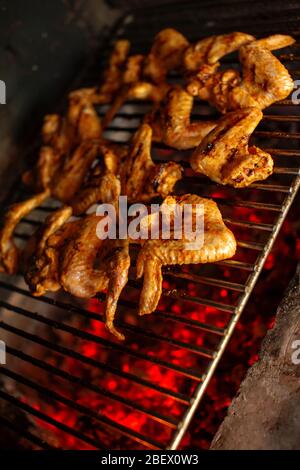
141	179
171	123
57	140
69	179
224	155
102	183
80	277
135	87
264	78
165	55
43	250
218	244
9	253
112	78
210	50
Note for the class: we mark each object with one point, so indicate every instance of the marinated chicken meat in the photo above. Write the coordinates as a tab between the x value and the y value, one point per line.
171	123
210	50
102	183
141	178
112	78
9	253
74	257
144	77
42	252
224	155
264	78
218	244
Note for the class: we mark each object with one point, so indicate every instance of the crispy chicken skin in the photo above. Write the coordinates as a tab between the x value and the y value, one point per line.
218	244
141	178
171	123
9	253
264	78
224	155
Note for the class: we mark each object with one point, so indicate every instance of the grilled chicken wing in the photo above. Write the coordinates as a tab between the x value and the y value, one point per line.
60	138
171	123
135	87
224	155
73	172
210	50
57	138
112	78
264	78
80	277
141	179
102	183
165	55
67	256
144	77
72	256
42	252
218	244
9	253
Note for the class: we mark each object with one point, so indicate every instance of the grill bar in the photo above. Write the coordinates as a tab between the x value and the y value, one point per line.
85	384
92	362
152	444
24	433
90	337
44	417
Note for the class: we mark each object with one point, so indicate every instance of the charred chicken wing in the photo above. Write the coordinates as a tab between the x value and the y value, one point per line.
224	155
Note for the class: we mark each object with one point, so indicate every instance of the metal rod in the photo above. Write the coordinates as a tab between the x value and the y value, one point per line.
94	363
150	443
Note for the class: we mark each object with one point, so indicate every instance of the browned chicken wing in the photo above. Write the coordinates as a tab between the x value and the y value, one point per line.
9	253
102	184
112	78
42	252
141	178
218	244
171	123
224	155
264	78
72	256
210	50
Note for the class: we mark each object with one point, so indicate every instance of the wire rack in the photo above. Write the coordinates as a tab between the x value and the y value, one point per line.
158	376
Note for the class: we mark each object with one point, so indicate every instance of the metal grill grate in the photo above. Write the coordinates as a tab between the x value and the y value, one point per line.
157	377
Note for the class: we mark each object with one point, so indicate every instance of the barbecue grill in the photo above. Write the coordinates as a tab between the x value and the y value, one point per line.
144	392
